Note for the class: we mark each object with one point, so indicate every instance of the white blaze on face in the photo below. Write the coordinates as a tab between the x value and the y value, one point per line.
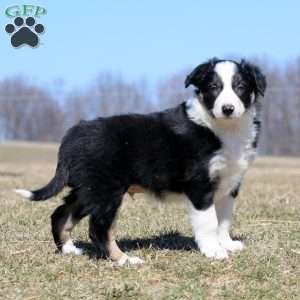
226	71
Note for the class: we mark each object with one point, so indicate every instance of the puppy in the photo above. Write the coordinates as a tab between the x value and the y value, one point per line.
201	148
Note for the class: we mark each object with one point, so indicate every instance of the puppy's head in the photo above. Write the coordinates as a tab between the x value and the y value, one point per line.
227	88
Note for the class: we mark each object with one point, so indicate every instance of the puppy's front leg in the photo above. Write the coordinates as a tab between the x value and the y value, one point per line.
224	209
205	226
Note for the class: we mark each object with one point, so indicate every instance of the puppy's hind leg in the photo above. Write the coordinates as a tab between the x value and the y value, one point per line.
63	220
100	230
116	254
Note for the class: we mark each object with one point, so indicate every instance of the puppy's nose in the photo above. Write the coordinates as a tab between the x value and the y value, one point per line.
227	109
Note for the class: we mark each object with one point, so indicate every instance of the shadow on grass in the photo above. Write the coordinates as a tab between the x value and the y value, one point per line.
170	241
165	241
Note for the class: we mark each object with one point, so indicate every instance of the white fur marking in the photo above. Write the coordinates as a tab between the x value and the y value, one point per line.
231	245
229	165
25	193
68	247
197	113
205	224
131	260
232	161
224	208
226	71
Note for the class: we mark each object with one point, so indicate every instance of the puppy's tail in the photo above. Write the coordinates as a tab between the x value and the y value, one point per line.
56	184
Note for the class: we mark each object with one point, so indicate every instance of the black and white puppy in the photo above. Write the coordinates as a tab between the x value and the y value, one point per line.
201	148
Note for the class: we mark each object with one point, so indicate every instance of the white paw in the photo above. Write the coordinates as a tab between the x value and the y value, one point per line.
213	249
131	260
232	246
69	247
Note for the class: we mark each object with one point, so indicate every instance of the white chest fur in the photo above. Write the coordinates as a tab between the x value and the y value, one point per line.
232	161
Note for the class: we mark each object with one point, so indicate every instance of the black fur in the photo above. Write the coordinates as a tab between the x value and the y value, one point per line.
53	187
255	75
234	193
257	125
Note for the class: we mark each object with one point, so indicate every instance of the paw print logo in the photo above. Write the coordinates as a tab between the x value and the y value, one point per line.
24	34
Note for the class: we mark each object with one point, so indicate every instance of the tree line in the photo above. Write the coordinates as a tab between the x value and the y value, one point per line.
31	112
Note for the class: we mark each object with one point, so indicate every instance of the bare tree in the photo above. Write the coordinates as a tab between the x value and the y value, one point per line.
281	123
28	112
108	95
172	91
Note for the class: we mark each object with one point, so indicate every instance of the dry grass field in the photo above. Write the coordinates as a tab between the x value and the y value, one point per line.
267	219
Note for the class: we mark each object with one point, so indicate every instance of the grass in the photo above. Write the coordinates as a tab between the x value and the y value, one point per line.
266	219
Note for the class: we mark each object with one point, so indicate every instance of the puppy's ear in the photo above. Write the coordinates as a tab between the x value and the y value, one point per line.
256	75
196	76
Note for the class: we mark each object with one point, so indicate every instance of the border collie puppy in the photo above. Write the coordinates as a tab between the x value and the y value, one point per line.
201	148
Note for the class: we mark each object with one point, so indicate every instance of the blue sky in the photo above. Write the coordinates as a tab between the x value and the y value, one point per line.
148	39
